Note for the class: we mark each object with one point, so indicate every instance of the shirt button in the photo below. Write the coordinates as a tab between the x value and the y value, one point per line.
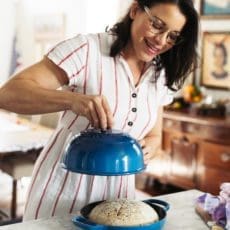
130	123
134	110
134	95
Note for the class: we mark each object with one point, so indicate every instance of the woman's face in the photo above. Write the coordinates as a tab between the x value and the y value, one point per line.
219	57
144	44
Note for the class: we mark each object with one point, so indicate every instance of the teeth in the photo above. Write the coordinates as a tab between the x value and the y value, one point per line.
151	46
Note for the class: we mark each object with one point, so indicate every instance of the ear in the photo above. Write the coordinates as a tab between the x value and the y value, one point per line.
133	10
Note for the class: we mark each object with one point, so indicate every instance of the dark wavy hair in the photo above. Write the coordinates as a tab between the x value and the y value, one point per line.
178	61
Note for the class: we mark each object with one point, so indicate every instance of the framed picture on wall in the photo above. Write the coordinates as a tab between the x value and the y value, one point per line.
215	8
215	68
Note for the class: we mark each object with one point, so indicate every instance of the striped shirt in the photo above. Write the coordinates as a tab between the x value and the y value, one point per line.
85	59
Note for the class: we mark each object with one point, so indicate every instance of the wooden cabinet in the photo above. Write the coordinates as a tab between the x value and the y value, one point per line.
196	152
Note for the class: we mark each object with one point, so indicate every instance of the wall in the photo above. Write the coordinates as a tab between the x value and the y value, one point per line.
86	16
208	25
7	25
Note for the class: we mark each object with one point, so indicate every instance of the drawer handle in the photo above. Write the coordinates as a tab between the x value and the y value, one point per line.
225	157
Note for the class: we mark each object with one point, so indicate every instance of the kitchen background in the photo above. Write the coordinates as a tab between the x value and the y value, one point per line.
29	28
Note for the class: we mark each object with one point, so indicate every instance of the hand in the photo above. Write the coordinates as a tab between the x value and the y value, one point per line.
150	145
95	108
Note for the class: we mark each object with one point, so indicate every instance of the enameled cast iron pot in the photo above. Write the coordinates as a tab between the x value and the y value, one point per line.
160	206
99	152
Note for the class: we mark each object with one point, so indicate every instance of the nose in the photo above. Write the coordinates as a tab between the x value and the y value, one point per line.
161	38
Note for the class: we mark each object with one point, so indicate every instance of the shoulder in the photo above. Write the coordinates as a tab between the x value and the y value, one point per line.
100	41
161	81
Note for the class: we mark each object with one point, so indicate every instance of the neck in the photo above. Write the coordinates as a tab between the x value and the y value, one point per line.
136	66
129	55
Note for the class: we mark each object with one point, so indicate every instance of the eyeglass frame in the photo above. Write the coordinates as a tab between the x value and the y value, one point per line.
152	18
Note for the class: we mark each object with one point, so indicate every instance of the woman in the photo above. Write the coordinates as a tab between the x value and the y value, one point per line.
220	59
119	79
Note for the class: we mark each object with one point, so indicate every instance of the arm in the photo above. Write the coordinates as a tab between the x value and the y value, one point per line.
34	91
152	141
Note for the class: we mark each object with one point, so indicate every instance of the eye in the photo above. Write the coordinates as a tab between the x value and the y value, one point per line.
157	24
174	36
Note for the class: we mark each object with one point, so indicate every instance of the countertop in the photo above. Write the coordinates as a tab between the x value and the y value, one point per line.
180	216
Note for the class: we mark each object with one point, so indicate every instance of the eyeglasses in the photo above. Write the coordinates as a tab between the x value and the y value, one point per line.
158	27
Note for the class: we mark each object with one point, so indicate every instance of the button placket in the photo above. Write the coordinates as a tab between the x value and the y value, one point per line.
132	114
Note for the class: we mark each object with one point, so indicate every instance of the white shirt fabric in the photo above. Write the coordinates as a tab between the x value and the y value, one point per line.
85	58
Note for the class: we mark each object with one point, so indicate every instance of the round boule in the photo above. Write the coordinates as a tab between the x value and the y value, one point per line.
123	212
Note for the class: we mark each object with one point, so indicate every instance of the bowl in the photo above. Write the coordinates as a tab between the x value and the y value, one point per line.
103	152
160	206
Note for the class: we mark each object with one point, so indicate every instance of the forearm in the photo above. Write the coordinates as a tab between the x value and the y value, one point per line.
26	97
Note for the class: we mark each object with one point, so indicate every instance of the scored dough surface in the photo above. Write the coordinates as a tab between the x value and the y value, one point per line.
123	212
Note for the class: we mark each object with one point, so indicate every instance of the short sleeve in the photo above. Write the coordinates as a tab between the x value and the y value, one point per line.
70	55
165	95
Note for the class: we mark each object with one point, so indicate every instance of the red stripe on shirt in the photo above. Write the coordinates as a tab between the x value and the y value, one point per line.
100	73
91	188
127	183
46	186
57	46
105	188
86	69
78	72
44	191
40	165
116	84
86	64
78	186
75	196
129	110
64	113
59	194
70	54
119	191
149	120
73	121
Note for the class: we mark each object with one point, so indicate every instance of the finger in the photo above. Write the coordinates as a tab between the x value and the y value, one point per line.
146	159
146	150
100	113
90	119
94	116
142	143
108	112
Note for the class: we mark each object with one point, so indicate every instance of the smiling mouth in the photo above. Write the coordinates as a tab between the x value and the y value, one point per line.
151	48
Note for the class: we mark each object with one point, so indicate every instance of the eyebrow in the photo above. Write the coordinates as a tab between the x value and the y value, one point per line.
159	19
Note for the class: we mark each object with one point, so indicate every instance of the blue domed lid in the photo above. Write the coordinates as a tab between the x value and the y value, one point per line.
98	152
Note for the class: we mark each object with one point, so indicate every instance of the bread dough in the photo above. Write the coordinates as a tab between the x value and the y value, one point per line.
123	212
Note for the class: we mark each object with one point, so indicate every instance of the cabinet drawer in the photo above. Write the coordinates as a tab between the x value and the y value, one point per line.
212	179
216	155
169	124
206	132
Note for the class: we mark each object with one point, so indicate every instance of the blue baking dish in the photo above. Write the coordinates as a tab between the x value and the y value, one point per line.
160	206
